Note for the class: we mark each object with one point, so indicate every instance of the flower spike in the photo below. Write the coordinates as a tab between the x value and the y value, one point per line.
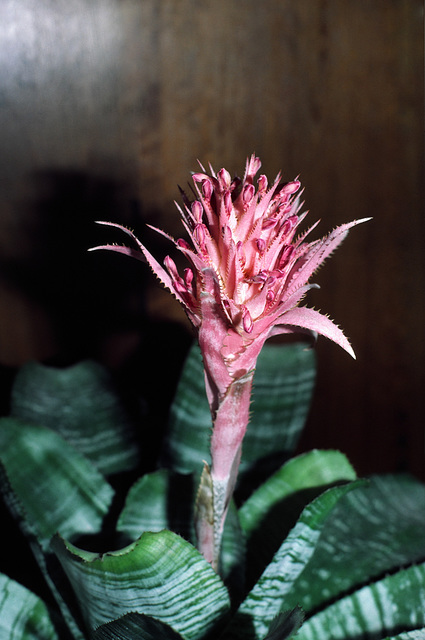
248	273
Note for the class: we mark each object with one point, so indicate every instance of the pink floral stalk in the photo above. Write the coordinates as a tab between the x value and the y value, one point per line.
248	273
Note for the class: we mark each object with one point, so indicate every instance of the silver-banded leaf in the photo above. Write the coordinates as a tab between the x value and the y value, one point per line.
134	626
232	567
282	391
269	596
165	500
23	616
58	489
283	386
81	404
51	571
417	634
159	500
189	427
308	470
393	604
160	575
270	512
372	531
285	625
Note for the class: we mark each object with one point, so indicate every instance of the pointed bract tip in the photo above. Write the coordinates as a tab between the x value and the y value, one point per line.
360	221
350	352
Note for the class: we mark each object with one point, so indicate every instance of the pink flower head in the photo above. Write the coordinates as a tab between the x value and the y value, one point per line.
249	270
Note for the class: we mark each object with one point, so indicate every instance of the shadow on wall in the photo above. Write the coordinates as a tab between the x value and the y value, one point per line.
95	301
85	295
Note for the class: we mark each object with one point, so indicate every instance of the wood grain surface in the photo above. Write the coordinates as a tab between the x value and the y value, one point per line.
105	107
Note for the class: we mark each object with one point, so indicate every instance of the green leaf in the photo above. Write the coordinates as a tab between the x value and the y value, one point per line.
160	575
372	531
283	386
23	616
165	500
389	606
285	625
51	571
189	428
49	487
270	512
233	555
58	489
135	626
159	500
80	403
268	597
417	634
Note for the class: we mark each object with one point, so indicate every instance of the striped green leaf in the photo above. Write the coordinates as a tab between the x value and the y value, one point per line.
189	427
23	616
157	501
80	403
372	531
269	596
160	575
49	566
135	626
283	385
58	489
417	634
271	511
232	567
165	500
49	487
395	603
285	625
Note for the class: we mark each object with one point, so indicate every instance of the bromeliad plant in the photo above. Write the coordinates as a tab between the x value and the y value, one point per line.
248	274
231	538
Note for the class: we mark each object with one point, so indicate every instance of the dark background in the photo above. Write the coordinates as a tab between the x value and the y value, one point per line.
105	106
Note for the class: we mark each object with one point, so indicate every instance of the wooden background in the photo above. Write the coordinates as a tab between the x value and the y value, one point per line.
105	106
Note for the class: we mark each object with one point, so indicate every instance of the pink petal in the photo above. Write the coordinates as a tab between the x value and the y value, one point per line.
312	320
273	315
146	256
317	254
121	228
257	303
253	165
133	253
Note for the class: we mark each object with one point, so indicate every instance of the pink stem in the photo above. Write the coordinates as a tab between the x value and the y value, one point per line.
217	486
